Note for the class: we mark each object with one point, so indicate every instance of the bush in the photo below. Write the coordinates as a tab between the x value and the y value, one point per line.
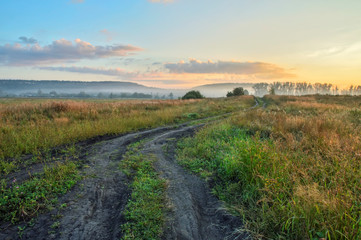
193	95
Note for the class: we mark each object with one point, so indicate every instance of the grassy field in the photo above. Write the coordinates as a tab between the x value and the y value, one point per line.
35	126
291	170
31	126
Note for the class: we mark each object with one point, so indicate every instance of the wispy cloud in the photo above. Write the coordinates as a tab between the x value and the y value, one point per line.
59	51
27	40
190	72
90	70
336	50
259	69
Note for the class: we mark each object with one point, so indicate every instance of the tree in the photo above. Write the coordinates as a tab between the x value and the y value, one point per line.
260	89
272	90
230	94
171	95
237	92
53	94
193	95
40	93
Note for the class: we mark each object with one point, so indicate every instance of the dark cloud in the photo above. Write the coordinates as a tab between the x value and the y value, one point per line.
89	70
59	51
260	69
26	40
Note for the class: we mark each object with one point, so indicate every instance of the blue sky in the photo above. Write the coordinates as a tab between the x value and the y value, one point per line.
182	42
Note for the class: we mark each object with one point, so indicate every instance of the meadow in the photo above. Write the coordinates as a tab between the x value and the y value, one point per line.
37	125
292	170
31	128
290	167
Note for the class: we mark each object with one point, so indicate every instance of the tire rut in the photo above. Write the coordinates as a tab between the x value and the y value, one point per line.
196	213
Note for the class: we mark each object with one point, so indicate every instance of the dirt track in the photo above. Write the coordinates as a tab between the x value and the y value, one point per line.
95	205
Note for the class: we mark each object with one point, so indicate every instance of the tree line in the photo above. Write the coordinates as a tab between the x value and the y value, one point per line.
303	88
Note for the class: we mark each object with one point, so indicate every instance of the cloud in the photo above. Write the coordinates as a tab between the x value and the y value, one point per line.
28	40
336	50
258	69
89	70
59	51
161	1
107	34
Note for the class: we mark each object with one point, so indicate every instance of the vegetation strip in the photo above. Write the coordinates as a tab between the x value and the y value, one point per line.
145	210
23	201
292	170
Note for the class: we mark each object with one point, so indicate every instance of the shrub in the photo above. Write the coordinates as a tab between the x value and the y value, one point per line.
193	95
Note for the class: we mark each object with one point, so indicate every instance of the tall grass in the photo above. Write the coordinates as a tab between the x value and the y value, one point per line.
293	170
34	125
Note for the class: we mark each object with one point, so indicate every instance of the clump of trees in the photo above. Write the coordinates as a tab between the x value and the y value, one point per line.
237	92
302	88
193	95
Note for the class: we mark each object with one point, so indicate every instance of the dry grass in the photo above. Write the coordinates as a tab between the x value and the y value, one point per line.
29	126
293	170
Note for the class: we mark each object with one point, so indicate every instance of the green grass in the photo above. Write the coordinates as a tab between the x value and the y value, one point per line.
25	200
145	209
292	171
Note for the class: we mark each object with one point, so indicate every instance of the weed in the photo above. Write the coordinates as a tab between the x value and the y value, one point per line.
55	225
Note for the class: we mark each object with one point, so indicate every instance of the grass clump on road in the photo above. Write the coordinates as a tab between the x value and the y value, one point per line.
144	212
292	170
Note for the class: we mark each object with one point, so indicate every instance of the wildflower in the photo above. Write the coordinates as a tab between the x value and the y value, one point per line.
14	180
17	187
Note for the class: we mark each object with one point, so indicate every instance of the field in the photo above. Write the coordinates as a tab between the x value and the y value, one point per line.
287	168
292	170
33	126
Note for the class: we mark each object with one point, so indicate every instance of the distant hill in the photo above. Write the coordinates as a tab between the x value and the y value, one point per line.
221	89
33	87
24	87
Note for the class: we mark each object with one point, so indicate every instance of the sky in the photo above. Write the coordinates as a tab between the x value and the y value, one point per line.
182	43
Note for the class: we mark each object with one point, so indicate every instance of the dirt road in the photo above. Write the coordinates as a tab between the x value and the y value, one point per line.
94	207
